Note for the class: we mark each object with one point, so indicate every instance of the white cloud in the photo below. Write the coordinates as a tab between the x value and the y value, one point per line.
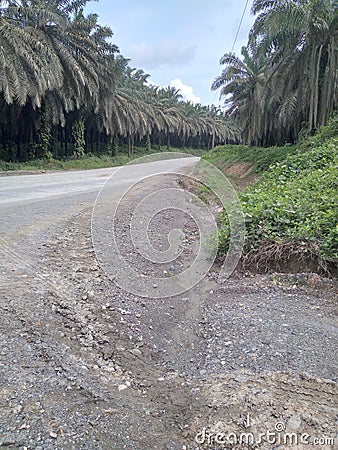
186	91
165	52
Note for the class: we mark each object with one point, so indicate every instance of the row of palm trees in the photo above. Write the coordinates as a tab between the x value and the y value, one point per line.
65	89
285	82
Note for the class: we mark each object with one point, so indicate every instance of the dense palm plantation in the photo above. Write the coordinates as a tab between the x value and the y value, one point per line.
286	81
65	90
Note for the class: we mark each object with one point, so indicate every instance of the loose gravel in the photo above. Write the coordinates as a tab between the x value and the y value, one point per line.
86	365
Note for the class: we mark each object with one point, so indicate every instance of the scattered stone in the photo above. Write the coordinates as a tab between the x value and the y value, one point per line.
241	379
90	295
294	422
122	387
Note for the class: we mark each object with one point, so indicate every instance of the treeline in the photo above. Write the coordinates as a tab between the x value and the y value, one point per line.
285	83
65	90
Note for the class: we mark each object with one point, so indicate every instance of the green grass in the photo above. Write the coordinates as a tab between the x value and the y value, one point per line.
295	200
88	161
260	158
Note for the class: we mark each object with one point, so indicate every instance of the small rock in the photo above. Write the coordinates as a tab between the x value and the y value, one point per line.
90	295
136	352
53	435
241	379
122	387
18	409
294	422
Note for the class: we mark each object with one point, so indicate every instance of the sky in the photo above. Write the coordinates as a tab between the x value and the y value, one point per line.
178	42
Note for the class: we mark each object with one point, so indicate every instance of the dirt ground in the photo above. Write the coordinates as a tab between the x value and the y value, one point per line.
250	362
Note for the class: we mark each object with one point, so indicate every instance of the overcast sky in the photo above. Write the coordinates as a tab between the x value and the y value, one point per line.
178	42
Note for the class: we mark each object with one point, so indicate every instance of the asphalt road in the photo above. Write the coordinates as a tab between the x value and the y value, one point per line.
31	203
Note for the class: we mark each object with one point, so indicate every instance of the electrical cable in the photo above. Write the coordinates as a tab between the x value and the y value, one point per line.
237	34
240	25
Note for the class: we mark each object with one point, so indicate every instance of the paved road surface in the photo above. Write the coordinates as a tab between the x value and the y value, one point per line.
34	202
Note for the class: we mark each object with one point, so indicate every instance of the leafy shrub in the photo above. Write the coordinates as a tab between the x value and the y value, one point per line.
295	200
261	158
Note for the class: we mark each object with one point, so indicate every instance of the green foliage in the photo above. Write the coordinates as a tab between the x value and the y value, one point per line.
115	146
261	158
78	130
148	143
285	82
325	133
45	135
295	200
56	58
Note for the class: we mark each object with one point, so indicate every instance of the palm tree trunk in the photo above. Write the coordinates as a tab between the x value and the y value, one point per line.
327	97
313	77
213	139
130	146
316	94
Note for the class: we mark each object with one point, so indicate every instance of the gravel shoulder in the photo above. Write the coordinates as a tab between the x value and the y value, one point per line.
85	365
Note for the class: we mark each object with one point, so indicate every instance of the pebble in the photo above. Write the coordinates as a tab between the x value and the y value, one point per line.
90	295
294	422
122	387
241	379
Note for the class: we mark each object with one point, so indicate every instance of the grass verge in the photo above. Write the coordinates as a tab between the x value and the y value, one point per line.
291	210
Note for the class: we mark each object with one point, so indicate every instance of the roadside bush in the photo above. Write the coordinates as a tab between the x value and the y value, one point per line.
261	158
295	201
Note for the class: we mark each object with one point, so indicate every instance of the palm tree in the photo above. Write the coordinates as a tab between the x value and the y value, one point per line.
63	88
58	58
242	84
287	75
28	65
300	39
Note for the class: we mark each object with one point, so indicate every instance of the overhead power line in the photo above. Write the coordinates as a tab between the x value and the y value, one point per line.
240	25
237	34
